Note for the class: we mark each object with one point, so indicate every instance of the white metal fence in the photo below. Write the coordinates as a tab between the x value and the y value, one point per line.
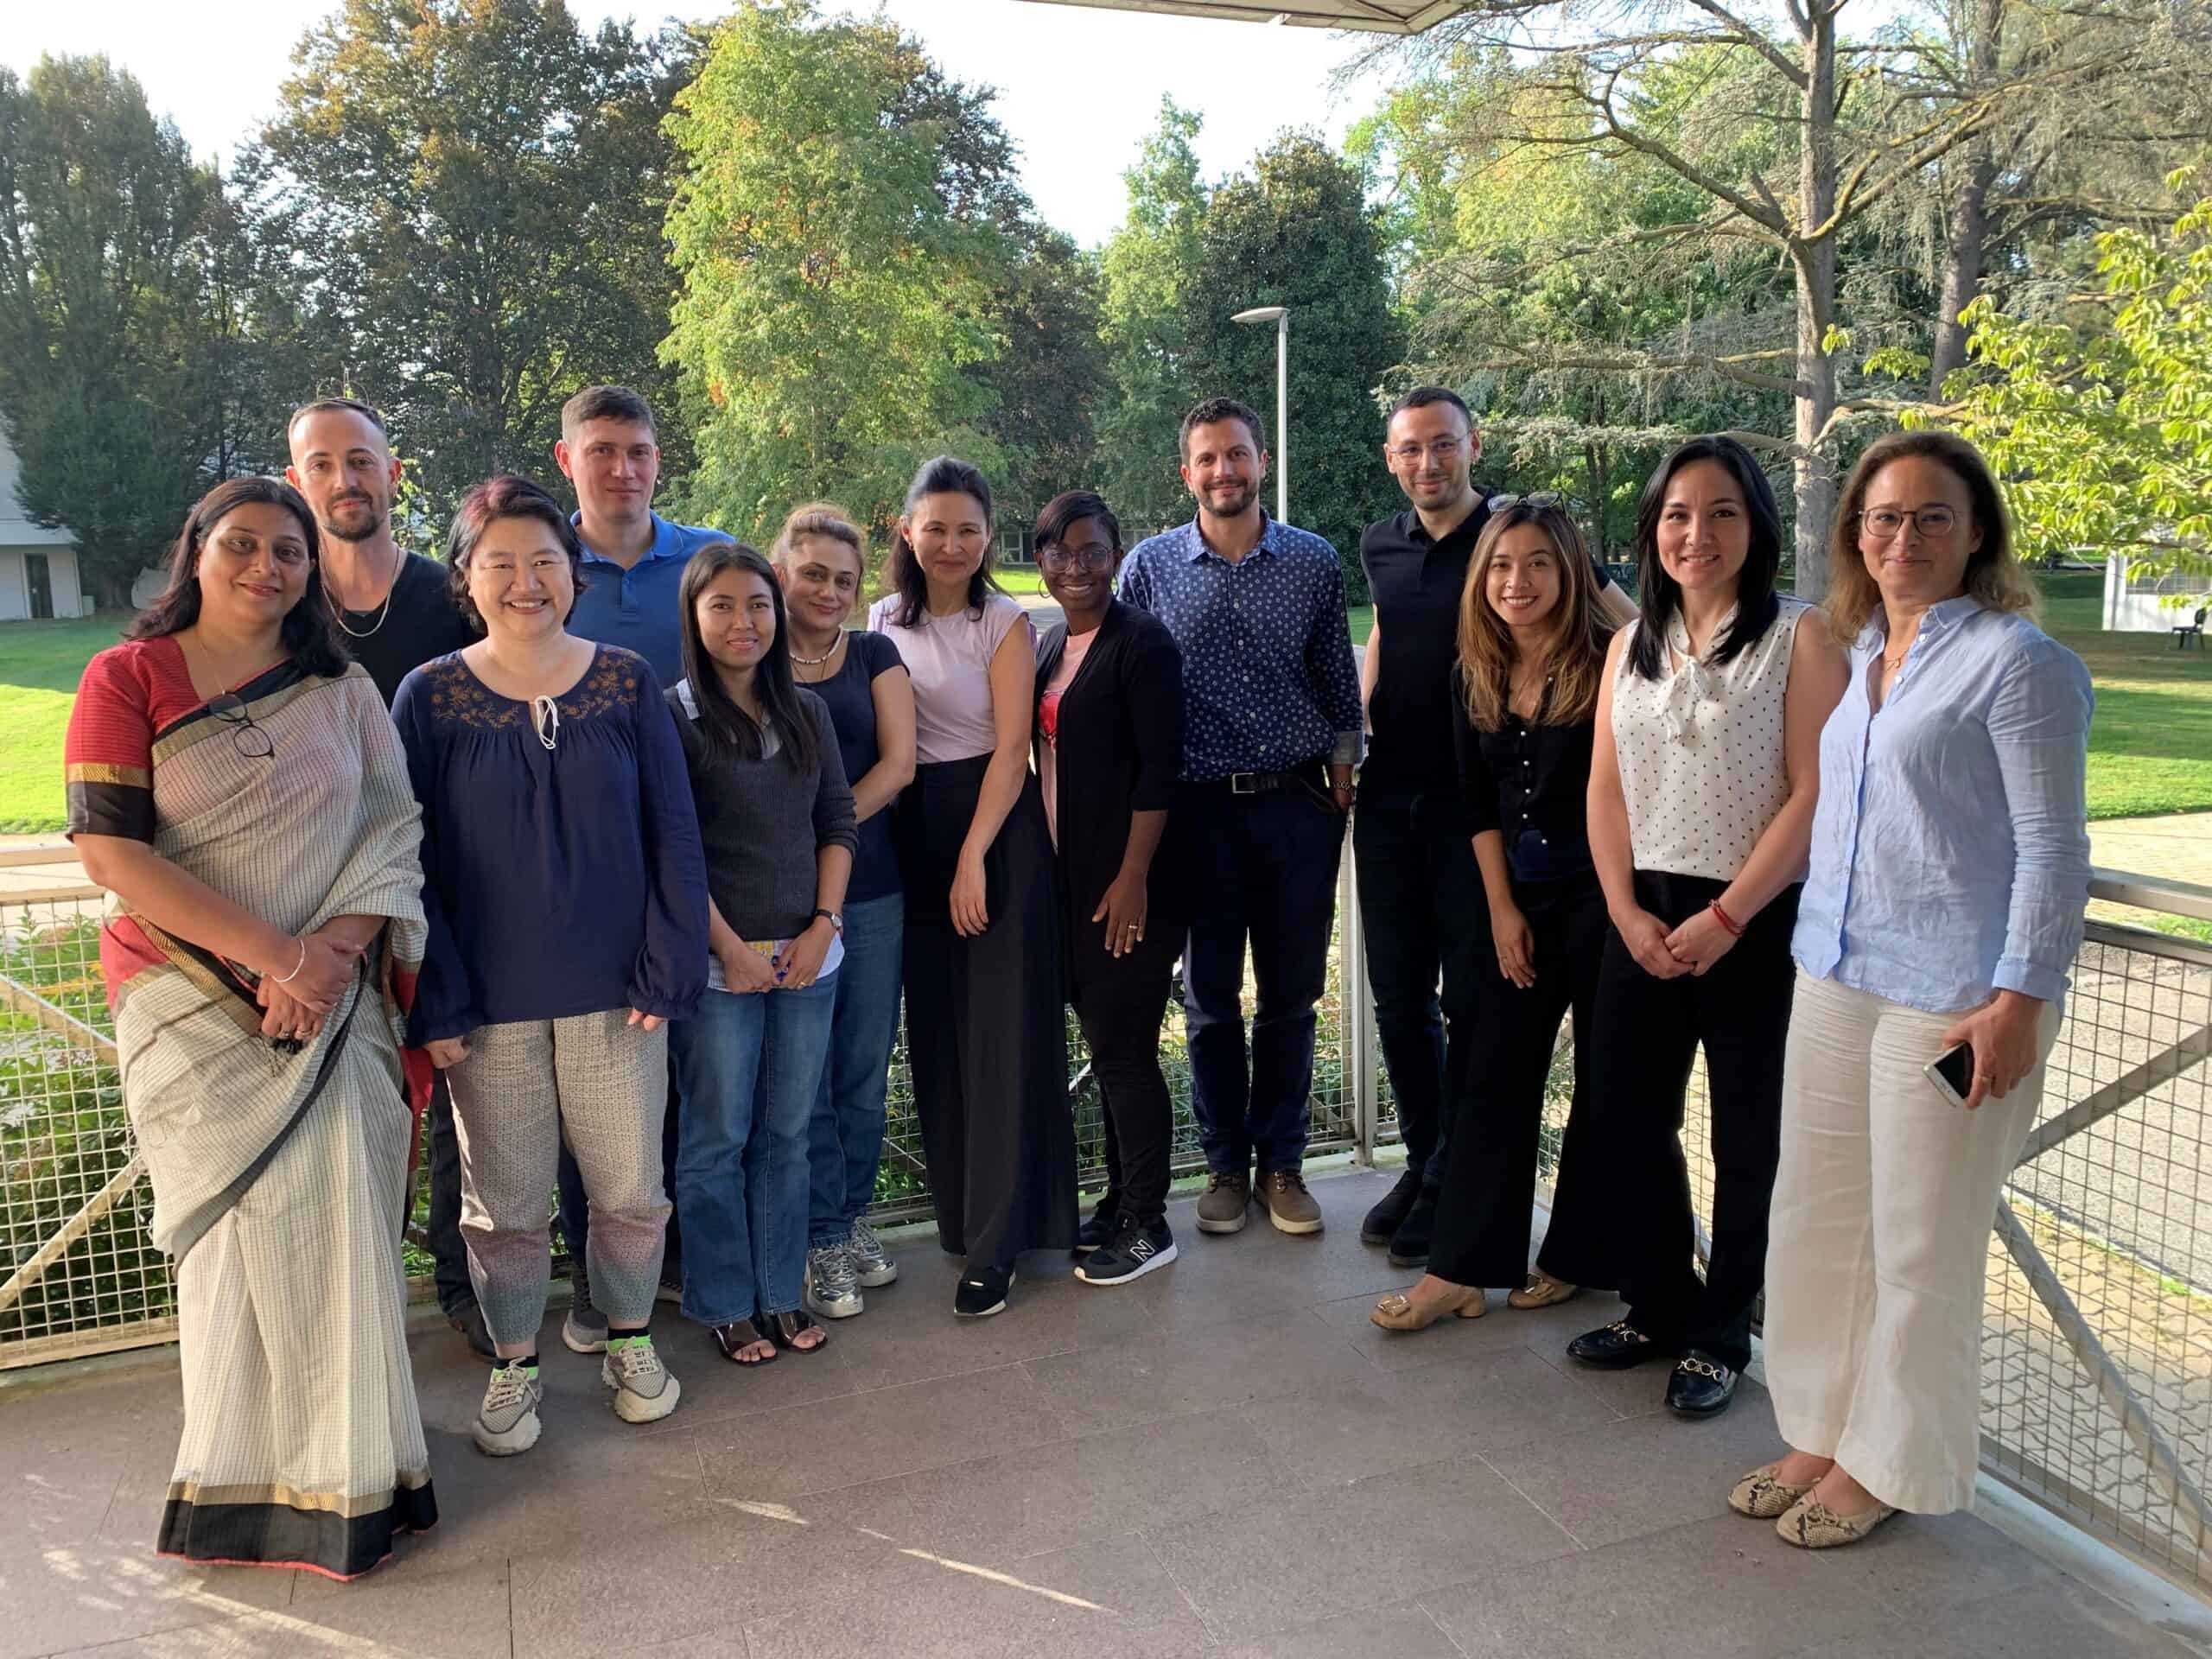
2096	1335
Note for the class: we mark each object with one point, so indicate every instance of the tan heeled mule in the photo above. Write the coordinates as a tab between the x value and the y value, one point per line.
1396	1312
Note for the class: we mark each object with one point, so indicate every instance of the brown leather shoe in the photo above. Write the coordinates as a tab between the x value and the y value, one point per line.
1290	1206
1223	1205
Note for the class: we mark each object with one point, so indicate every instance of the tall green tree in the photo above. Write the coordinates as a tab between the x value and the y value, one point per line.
106	231
836	237
1049	379
2100	420
1147	271
462	203
1298	232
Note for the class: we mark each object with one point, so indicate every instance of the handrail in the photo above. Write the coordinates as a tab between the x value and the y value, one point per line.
2151	893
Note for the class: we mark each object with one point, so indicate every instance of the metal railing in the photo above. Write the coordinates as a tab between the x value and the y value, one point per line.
2096	1332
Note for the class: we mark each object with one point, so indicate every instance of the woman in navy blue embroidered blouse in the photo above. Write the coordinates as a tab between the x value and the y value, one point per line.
566	894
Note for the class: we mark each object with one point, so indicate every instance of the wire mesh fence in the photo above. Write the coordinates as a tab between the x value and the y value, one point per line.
2096	1335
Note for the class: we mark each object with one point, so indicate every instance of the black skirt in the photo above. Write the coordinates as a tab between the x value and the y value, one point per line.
986	1041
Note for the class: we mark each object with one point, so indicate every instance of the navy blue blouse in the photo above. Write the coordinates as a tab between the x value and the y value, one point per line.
557	881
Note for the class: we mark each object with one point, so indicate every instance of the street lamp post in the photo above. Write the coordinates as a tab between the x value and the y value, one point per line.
1279	315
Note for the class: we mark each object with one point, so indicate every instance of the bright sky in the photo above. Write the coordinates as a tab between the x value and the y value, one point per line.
1078	88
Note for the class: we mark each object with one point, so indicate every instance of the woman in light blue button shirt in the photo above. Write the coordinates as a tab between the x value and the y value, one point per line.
1950	864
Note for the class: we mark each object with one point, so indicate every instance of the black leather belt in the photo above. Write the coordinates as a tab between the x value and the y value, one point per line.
1309	777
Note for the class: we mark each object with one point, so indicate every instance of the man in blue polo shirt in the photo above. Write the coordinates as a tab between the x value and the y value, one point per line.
633	558
633	565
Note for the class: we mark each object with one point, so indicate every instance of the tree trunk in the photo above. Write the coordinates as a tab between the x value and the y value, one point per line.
1962	253
1813	255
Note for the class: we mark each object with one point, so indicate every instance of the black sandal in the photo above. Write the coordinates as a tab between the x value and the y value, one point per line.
736	1336
783	1330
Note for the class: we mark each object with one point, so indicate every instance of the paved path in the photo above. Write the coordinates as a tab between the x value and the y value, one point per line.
1224	1458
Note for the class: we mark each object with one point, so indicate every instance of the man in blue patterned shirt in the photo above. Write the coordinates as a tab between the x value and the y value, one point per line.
1272	730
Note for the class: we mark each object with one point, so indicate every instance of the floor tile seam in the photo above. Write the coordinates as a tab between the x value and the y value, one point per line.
1442	1630
850	1395
1581	1545
1580	1377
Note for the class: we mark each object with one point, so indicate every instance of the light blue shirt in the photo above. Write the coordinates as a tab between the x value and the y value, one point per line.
639	608
1951	844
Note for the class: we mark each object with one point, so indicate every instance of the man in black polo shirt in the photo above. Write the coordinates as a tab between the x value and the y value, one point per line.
1423	912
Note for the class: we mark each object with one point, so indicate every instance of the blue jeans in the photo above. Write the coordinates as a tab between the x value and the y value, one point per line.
1262	868
749	1067
845	1133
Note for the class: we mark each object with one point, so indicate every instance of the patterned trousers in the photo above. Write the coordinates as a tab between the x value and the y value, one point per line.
606	1083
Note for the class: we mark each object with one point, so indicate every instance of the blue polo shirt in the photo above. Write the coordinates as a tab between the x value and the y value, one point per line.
637	609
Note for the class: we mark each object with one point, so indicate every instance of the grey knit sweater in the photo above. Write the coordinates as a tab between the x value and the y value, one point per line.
762	823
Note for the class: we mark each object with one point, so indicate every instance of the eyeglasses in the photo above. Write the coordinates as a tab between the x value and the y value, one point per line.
1540	498
1887	523
252	742
1443	449
1062	560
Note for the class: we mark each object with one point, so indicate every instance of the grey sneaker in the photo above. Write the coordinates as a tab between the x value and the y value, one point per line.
507	1420
644	1391
1223	1207
584	1331
1290	1206
832	1291
872	1264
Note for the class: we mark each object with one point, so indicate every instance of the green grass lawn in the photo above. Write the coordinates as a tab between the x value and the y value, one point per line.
39	665
2150	750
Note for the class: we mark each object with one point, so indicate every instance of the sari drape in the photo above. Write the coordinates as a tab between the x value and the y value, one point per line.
279	1169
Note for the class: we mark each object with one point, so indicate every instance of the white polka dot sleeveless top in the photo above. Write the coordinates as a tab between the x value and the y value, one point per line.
1700	751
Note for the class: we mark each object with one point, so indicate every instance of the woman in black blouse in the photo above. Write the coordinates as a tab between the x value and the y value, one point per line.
1532	648
1108	748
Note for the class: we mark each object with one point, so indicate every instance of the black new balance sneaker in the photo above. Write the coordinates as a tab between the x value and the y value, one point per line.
1137	1248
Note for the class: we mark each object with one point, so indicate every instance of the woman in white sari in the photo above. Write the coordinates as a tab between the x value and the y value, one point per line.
235	782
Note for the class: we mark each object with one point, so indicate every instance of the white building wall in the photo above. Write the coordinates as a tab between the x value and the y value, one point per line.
19	536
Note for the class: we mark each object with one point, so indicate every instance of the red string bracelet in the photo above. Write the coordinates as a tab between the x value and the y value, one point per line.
1726	921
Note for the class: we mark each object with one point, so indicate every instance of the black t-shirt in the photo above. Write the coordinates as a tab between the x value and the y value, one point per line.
420	623
850	694
1416	582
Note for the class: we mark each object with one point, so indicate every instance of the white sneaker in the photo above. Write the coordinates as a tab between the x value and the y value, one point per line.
644	1391
832	1293
506	1422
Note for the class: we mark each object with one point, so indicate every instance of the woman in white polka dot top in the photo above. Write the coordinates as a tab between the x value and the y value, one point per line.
1702	783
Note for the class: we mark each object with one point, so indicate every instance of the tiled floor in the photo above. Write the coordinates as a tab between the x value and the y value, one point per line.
1224	1458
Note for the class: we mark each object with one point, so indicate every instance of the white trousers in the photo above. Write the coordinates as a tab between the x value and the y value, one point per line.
1883	1208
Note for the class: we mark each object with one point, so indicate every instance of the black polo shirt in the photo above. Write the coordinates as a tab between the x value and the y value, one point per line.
1416	582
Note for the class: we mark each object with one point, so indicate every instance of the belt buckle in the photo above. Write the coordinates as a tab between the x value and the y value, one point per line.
1244	783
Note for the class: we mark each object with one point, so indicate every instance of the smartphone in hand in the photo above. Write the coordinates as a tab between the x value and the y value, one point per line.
1952	1072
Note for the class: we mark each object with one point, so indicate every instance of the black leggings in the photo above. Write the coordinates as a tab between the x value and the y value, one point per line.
1119	1002
1648	1032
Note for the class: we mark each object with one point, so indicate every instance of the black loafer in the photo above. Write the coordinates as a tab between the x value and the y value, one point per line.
982	1293
1614	1347
1409	1244
468	1319
1384	1221
1700	1386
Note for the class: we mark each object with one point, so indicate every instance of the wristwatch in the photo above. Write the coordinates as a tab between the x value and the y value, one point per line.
837	922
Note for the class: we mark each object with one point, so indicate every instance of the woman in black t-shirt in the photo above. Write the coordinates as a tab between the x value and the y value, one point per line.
871	702
1532	648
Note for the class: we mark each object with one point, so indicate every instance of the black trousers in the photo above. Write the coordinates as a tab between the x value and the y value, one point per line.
986	1040
1423	916
1119	1002
1488	1190
441	1153
1648	1032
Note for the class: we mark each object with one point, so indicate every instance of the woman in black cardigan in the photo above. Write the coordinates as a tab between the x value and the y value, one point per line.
1109	747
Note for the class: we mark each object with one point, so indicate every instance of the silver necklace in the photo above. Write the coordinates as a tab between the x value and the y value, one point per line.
383	610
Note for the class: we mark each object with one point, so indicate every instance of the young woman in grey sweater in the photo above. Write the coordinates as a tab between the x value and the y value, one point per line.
776	819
